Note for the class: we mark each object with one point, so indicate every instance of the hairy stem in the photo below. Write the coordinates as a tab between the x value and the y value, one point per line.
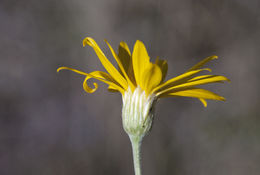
136	142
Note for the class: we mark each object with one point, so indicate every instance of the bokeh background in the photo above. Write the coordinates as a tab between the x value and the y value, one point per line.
50	126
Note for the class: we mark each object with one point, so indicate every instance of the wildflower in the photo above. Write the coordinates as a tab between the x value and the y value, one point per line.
141	84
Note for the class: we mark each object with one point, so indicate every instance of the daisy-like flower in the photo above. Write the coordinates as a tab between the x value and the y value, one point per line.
142	83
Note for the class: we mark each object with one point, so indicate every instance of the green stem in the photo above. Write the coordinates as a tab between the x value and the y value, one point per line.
136	147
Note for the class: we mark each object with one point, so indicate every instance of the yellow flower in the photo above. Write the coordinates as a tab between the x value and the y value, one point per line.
137	71
141	84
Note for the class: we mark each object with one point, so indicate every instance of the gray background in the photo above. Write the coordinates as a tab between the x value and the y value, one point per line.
50	126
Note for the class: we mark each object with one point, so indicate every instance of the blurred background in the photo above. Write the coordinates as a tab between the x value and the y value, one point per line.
50	126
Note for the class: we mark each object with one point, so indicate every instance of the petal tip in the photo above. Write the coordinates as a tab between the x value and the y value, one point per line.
228	80
87	41
208	69
204	103
107	42
139	42
214	57
84	42
59	69
222	99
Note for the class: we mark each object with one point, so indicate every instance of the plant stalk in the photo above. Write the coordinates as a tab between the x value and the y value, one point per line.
136	142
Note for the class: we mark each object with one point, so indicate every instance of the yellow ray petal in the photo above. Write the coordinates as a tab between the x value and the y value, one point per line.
110	81
106	63
141	61
71	69
204	102
111	89
152	76
183	78
101	76
163	66
125	47
86	86
124	55
120	65
197	93
190	84
201	77
203	62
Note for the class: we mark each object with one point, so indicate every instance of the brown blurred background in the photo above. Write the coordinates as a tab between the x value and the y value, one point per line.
50	126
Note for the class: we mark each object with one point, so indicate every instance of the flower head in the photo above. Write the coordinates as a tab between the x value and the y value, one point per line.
141	82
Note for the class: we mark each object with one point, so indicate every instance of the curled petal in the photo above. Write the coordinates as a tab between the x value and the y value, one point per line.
102	76
99	75
106	63
87	88
71	69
